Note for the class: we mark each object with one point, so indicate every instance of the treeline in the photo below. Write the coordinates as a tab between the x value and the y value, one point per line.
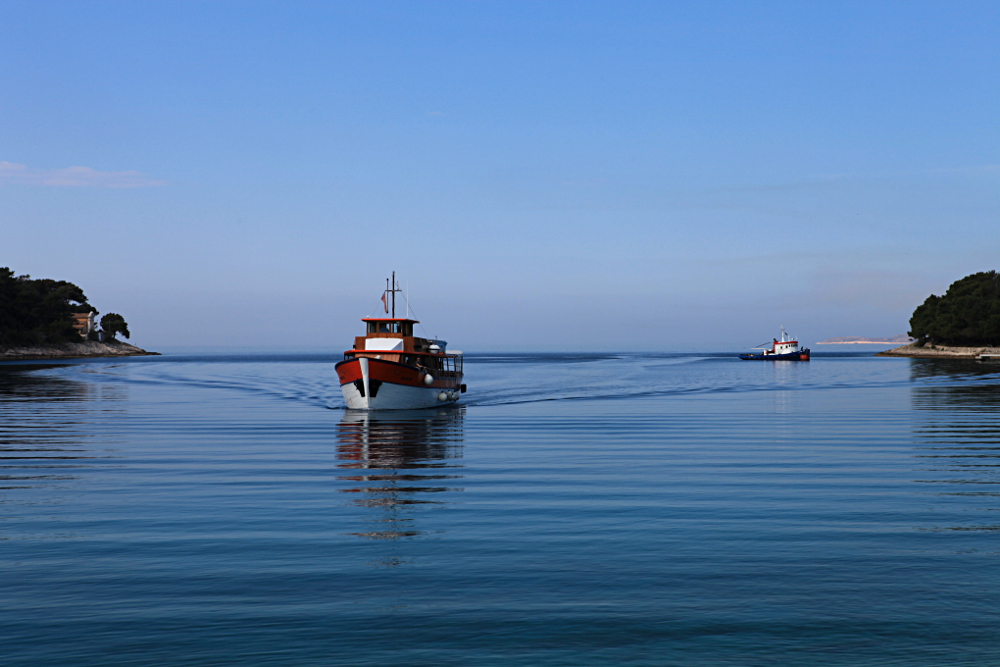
40	312
968	315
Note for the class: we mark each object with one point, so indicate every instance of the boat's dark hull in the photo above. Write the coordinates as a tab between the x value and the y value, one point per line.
800	355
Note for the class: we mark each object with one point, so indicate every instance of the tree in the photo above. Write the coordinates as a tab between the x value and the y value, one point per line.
38	312
967	315
113	324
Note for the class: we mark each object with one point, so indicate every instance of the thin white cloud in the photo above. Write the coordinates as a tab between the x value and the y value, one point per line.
74	177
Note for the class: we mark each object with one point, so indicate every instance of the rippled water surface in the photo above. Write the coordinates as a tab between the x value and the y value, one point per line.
597	509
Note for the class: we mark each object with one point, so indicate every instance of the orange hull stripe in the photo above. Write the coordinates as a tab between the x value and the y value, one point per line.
390	372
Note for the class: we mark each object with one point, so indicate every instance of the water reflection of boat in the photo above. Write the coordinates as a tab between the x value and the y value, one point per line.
399	461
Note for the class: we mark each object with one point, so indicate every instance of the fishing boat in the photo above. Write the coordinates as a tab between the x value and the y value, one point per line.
785	349
391	369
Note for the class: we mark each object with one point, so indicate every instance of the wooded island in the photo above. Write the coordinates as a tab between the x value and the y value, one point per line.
965	322
44	318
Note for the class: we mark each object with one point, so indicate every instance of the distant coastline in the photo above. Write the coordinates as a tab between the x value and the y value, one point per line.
937	352
74	351
859	340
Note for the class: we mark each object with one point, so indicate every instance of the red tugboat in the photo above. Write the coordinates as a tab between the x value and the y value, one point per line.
391	369
784	349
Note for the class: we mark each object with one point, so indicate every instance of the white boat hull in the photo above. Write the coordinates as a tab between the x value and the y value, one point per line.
398	397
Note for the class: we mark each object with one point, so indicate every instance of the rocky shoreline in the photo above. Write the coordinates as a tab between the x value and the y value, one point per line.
74	351
937	352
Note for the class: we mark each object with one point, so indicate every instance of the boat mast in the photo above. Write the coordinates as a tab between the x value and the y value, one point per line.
393	290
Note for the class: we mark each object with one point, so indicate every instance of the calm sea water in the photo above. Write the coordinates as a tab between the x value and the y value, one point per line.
600	509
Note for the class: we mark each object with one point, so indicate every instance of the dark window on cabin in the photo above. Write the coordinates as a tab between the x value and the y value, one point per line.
371	327
407	329
383	327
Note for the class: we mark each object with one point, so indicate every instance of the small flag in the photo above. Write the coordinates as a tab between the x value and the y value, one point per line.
385	303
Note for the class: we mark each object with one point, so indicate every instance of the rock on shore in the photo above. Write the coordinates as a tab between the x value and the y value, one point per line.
937	352
89	348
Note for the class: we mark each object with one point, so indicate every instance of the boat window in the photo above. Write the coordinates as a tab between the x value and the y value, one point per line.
394	327
383	327
371	327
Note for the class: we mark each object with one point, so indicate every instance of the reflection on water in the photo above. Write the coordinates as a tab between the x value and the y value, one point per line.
26	383
403	460
958	434
45	435
953	369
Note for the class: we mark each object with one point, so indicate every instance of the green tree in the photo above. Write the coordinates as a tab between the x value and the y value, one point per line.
113	324
38	312
967	315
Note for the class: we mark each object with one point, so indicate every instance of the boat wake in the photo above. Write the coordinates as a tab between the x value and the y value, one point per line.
508	379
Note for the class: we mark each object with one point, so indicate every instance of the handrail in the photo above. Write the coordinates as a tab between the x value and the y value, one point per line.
419	354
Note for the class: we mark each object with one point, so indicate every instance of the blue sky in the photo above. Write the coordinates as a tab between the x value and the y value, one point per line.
563	175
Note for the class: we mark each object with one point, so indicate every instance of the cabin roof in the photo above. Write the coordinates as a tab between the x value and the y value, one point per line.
389	319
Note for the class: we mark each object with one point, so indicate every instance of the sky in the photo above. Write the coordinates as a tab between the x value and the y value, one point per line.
619	176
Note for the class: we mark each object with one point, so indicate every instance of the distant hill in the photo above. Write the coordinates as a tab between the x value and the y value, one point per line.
858	340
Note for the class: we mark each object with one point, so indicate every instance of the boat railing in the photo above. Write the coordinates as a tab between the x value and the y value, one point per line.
443	365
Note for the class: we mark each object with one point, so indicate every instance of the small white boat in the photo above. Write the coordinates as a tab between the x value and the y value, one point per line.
391	369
